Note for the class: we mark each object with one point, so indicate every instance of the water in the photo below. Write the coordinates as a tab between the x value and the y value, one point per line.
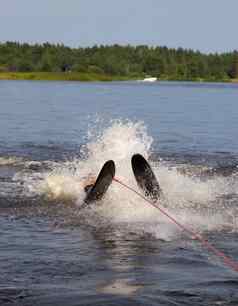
121	252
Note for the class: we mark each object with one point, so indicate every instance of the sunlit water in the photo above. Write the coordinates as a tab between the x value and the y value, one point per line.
122	251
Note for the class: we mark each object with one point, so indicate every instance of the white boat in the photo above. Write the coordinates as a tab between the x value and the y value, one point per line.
150	79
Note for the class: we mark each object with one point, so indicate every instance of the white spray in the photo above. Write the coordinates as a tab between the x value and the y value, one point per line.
119	142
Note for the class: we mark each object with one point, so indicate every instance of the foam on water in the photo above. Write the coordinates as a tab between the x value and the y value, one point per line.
119	142
10	160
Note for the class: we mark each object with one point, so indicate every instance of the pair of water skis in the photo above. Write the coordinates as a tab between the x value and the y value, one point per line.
143	173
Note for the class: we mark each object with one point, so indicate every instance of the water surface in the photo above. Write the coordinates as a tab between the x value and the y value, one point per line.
121	251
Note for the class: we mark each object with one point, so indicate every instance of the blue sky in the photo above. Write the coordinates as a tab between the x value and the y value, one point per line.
206	25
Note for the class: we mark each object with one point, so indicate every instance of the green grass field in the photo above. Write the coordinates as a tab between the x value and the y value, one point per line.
85	77
60	76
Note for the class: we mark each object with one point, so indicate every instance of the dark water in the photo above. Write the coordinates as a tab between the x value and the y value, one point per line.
122	252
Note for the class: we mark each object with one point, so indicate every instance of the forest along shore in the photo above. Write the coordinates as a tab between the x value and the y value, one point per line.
107	63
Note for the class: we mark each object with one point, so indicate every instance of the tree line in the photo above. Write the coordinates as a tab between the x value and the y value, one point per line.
117	60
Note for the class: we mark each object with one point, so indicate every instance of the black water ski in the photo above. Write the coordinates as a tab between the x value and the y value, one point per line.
102	183
145	177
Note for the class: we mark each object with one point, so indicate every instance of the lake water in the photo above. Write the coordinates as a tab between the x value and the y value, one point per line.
122	251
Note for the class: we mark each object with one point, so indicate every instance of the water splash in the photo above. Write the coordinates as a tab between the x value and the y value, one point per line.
10	160
190	198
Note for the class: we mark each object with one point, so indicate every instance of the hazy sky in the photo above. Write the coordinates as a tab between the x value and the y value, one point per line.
207	25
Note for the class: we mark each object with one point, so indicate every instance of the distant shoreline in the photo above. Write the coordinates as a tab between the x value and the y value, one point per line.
22	61
86	77
60	76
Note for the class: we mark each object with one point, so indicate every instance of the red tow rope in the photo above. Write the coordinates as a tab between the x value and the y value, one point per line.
192	234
